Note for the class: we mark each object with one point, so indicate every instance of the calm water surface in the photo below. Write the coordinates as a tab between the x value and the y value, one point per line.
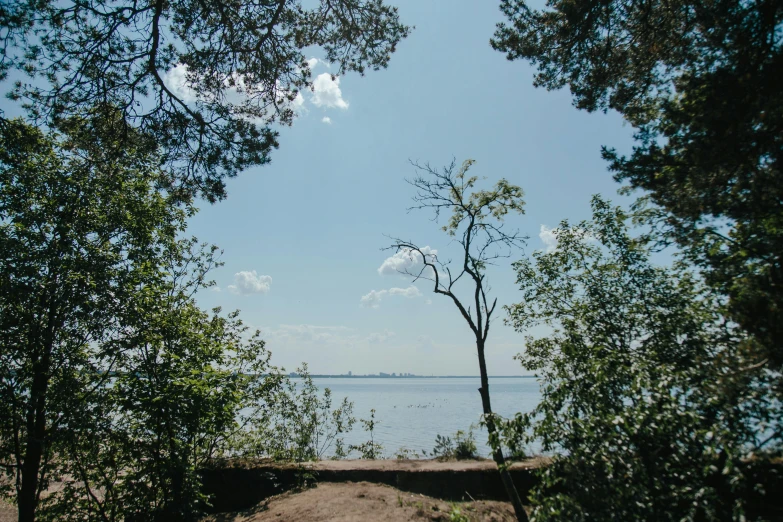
411	412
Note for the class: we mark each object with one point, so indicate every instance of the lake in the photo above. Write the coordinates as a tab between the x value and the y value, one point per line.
411	411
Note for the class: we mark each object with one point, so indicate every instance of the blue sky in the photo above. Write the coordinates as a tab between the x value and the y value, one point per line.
313	221
302	237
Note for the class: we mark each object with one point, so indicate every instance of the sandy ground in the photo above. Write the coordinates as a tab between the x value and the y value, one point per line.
7	512
424	464
363	501
403	465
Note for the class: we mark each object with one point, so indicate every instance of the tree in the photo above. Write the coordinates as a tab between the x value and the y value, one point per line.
243	62
476	224
81	223
701	84
181	380
298	423
641	399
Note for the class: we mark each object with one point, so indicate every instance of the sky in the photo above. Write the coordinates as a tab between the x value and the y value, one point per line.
302	237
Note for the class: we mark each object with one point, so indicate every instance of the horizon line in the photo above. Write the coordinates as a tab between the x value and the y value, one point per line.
377	376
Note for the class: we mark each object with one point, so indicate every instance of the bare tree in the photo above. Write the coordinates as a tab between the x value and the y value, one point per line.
476	225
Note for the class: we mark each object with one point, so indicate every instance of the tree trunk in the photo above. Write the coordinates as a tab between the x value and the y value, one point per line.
497	453
36	431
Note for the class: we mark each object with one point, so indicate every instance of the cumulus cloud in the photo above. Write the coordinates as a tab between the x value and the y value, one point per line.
249	282
327	120
327	93
406	260
235	89
548	237
298	104
373	299
411	291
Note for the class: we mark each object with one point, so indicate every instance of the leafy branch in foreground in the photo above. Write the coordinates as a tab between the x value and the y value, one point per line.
651	410
700	83
81	228
205	78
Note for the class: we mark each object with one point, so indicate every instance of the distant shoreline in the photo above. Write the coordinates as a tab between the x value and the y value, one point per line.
319	376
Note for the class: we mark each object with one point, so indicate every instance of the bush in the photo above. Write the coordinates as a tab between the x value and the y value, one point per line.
296	423
463	447
648	398
370	449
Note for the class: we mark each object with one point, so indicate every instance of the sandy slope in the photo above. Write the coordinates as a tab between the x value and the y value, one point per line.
363	501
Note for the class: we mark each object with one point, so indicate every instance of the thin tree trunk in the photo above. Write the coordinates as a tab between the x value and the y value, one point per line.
497	453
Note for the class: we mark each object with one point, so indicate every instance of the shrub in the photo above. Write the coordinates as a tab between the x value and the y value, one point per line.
462	447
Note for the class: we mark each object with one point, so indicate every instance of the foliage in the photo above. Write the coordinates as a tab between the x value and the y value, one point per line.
170	410
700	82
241	65
114	383
456	514
370	449
444	447
646	399
294	422
81	228
462	447
407	454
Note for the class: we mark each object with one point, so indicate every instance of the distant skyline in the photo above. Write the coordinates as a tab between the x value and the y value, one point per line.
404	375
302	237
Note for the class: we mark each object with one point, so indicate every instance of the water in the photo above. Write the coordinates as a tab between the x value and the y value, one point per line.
411	412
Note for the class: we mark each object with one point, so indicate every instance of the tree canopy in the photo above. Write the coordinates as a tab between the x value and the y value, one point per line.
243	62
642	403
82	226
700	82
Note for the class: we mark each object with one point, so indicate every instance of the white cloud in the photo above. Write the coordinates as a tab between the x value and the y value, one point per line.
409	292
406	260
234	90
548	237
373	299
176	79
327	120
249	282
283	96
216	289
327	93
298	104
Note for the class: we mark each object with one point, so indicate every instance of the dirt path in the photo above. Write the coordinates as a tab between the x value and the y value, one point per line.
363	501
